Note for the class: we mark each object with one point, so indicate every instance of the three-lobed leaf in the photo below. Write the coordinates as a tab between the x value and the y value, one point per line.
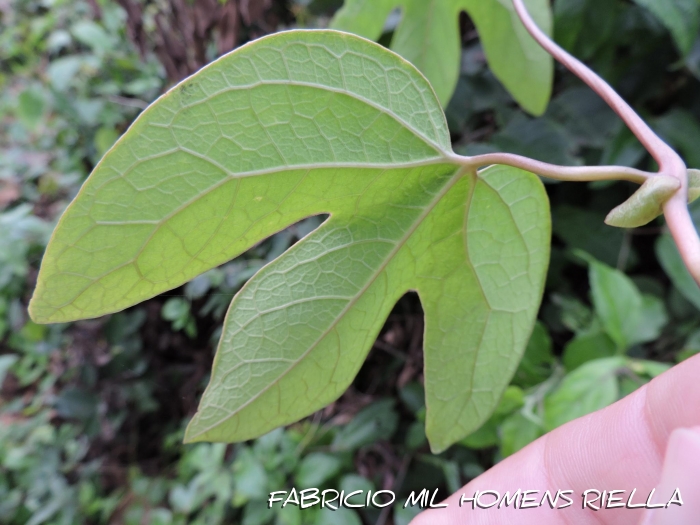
298	124
428	36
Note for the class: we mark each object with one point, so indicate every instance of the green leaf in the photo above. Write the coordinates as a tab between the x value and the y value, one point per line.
484	437
628	317
680	128
681	18
587	347
250	479
653	319
690	348
672	263
693	185
617	302
651	369
297	124
352	482
315	469
537	361
342	516
75	402
289	515
256	513
105	137
585	230
30	107
569	18
517	431
376	422
585	27
428	36
590	387
92	35
404	515
62	71
512	399
487	435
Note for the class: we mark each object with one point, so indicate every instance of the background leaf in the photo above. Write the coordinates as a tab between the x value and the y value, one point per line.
670	259
316	469
628	317
537	361
377	421
681	17
428	36
590	387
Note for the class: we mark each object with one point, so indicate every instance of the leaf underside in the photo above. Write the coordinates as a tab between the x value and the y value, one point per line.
293	125
428	35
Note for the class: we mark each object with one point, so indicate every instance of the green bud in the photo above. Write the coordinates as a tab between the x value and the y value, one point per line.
646	203
693	185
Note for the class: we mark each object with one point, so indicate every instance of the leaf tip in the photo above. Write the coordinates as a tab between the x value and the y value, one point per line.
437	447
193	435
37	313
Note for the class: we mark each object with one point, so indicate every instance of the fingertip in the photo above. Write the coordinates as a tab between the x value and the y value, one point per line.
679	477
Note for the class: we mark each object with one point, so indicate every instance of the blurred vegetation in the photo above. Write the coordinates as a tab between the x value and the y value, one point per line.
92	413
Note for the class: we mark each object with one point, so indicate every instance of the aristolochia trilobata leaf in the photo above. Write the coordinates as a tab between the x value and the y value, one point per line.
297	124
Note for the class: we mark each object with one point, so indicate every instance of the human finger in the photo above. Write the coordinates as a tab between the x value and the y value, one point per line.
681	470
619	448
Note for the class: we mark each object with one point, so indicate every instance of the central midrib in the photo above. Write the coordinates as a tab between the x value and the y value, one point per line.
228	178
411	230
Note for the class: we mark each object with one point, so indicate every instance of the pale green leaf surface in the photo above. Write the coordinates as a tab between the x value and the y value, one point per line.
226	158
293	125
428	36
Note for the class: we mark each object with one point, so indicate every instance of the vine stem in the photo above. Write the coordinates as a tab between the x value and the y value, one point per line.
552	171
670	164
